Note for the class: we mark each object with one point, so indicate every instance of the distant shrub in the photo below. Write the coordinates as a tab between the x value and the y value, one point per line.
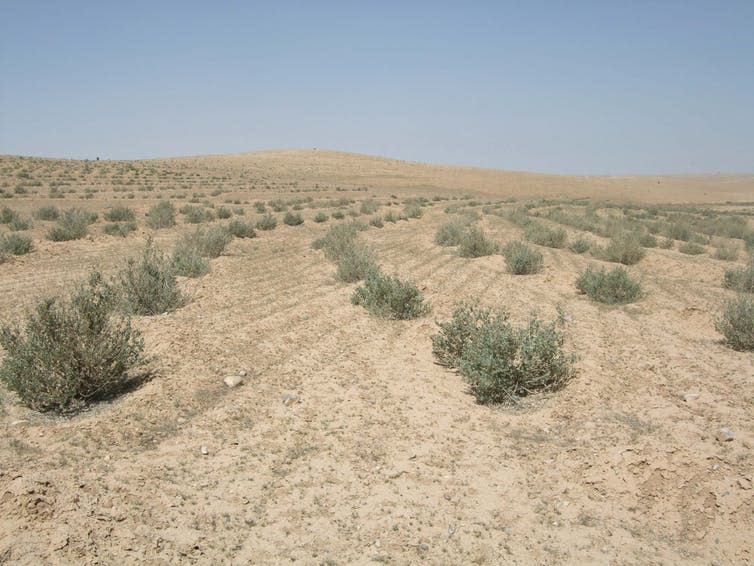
376	221
149	287
121	229
71	352
241	229
610	287
369	207
224	212
210	242
413	209
736	323
690	248
475	243
16	244
543	236
161	215
726	252
749	241
355	262
188	262
667	244
72	225
293	219
120	214
389	297
502	363
278	205
267	222
580	245
521	259
260	207
390	216
450	233
196	214
740	279
8	215
339	215
47	213
320	217
623	248
647	240
20	224
338	239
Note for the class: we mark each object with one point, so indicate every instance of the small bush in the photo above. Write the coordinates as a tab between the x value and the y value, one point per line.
20	224
120	214
161	215
354	263
47	213
72	225
690	248
580	245
389	297
267	222
390	217
188	262
369	207
293	219
667	244
121	229
647	240
196	214
241	229
413	209
208	243
726	252
16	244
610	287
623	248
377	222
544	236
224	212
736	323
475	243
320	217
338	215
8	215
740	279
502	363
260	207
71	352
450	233
338	240
149	287
521	259
749	241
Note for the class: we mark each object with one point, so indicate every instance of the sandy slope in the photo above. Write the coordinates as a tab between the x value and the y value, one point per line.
385	457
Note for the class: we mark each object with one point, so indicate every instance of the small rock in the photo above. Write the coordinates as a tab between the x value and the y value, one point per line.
724	435
233	380
19	422
290	398
424	547
743	483
242	373
205	452
690	397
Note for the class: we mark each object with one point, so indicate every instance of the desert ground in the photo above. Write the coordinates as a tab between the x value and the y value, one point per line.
346	443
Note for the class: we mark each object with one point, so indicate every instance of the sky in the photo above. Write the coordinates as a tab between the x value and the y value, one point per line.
603	87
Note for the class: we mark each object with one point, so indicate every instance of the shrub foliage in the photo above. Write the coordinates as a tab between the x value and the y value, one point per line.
521	259
148	286
736	323
610	287
390	297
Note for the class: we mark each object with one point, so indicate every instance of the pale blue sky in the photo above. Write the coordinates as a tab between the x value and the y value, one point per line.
562	86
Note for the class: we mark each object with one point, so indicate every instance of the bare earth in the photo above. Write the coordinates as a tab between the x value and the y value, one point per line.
383	456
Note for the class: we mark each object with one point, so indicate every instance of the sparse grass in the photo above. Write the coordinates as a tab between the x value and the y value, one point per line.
623	248
161	215
369	206
209	242
390	297
690	248
740	279
148	286
502	363
521	259
241	229
667	244
736	323
121	229
120	214
293	219
71	352
376	221
726	251
267	222
580	245
609	287
413	209
16	244
72	225
390	216
475	243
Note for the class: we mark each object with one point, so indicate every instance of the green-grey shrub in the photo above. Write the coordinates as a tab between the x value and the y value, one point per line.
369	206
502	363
320	217
726	252
224	212
338	215
475	243
740	279
355	262
16	244
47	213
390	297
580	245
521	259
543	236
390	216
690	248
149	286
610	287
267	222
293	219
188	262
241	229
210	242
623	248
20	224
72	225
196	214
736	323
121	229
8	215
413	209
161	215
647	240
120	214
71	352
376	221
450	233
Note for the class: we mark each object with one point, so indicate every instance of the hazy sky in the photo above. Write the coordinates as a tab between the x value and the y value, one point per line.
561	86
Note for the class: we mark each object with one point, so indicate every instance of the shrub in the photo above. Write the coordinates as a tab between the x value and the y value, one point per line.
610	287
47	213
623	248
389	297
726	252
72	225
667	244
580	245
19	224
320	217
475	243
121	229
188	262
369	207
293	219
544	236
749	241
149	286
8	215
120	214
224	212
71	352
355	262
267	222
740	279
338	239
390	217
413	209
690	248
16	244
647	240
161	215
3	255
241	229
376	221
521	259
208	243
450	233
502	363
736	323
196	214
339	215
260	207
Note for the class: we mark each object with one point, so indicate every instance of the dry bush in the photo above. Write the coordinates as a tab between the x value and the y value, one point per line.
521	259
736	323
390	297
610	287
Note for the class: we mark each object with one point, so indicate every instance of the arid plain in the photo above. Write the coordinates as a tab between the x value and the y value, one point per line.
346	443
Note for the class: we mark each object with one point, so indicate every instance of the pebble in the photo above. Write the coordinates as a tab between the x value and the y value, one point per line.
233	380
424	546
724	435
242	373
289	398
691	397
205	452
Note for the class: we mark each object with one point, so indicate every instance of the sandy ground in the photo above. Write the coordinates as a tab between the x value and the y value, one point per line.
383	456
